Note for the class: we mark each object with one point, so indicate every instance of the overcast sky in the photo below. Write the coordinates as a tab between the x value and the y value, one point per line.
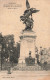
10	20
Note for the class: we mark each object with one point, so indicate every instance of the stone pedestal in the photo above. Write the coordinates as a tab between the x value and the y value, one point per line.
27	44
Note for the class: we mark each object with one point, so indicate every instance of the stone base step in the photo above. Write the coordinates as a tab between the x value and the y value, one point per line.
23	67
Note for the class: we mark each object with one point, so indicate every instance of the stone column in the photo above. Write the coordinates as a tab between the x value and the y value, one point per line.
27	44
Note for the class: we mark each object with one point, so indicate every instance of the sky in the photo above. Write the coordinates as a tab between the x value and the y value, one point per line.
10	19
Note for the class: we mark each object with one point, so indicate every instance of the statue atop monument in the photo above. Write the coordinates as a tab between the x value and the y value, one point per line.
27	16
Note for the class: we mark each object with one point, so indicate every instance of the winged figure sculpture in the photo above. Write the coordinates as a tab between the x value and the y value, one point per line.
27	20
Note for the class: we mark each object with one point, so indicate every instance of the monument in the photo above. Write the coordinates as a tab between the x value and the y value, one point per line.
28	36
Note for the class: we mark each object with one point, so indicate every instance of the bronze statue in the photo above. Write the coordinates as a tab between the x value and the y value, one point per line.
27	16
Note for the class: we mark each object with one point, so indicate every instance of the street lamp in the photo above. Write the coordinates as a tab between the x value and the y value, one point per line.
1	55
9	69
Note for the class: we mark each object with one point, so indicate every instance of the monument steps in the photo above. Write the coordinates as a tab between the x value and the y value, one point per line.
23	67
